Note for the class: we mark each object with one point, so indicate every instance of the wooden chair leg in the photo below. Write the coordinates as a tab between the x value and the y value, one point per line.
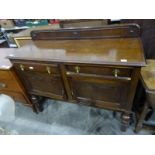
141	118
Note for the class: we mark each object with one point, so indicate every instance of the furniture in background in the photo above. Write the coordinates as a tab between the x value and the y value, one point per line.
97	67
77	23
9	82
5	39
148	81
6	23
147	35
23	38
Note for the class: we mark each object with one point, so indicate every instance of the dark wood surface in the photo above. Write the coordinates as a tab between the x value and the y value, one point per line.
112	31
120	51
27	32
39	80
147	35
97	72
83	23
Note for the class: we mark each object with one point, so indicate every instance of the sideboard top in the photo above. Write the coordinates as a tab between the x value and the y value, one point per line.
114	51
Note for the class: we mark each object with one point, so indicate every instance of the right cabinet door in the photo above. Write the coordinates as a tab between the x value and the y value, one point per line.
99	91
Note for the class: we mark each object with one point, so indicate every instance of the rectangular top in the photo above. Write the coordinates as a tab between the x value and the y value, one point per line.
148	75
117	51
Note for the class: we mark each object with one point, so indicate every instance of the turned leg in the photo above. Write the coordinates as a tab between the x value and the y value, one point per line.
114	114
125	121
35	103
37	107
141	118
34	109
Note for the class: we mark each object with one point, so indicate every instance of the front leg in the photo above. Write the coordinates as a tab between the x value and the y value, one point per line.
37	107
141	118
125	121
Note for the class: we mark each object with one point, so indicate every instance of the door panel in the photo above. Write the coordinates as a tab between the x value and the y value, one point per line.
100	93
41	82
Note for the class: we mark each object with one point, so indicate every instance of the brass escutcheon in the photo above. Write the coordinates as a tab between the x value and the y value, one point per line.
48	70
21	67
116	72
77	69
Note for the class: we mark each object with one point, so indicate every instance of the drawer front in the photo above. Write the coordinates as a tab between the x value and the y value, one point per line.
5	75
99	70
34	67
9	85
15	96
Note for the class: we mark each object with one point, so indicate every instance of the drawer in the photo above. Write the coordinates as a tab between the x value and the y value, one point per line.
15	96
34	67
108	71
8	85
5	75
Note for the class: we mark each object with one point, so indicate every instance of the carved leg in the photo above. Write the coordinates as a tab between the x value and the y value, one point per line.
125	121
34	109
114	114
141	118
36	106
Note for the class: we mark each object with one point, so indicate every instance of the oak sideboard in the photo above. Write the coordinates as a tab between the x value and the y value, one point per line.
96	67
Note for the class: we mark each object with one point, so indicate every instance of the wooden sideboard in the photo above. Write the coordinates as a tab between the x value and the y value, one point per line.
97	67
9	81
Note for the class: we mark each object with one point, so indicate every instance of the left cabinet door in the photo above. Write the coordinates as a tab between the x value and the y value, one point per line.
41	79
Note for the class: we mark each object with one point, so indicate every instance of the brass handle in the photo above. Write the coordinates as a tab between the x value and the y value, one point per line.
31	68
2	85
68	73
116	72
72	93
77	69
21	67
48	70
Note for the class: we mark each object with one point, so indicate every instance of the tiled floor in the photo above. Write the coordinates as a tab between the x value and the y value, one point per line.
61	118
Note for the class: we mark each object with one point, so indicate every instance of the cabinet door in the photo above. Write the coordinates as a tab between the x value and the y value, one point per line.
43	80
99	92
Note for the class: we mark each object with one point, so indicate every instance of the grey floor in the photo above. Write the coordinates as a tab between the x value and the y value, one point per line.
61	118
